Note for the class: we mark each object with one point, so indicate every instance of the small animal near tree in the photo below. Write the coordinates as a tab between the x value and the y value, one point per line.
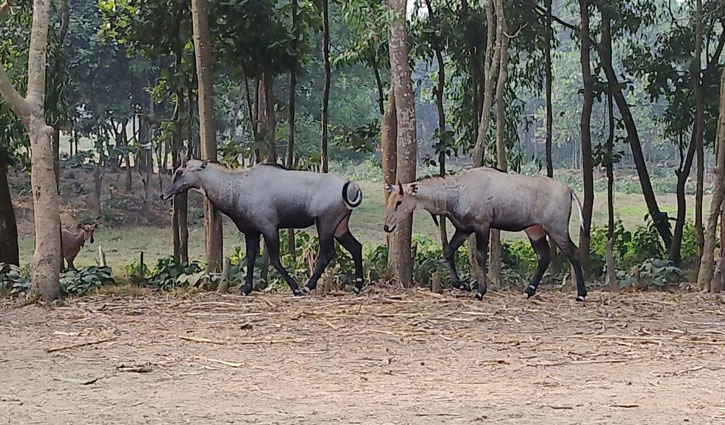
481	199
268	197
72	242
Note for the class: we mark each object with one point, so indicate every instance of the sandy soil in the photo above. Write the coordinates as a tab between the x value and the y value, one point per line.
400	357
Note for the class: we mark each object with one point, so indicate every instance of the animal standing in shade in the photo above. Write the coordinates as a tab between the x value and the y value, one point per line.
72	242
481	199
263	199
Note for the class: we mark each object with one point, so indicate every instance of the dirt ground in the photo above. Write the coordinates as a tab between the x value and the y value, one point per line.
388	356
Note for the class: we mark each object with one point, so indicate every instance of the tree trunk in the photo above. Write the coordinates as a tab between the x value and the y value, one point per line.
491	65
439	94
46	203
611	271
706	262
660	219
324	160
586	134
207	124
179	226
555	263
699	129
406	137
291	245
683	172
495	269
388	143
9	252
719	285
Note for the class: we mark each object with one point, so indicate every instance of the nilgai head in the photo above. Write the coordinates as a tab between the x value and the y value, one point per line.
88	230
185	177
400	204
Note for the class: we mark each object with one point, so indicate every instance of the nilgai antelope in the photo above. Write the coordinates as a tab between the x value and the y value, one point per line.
481	199
72	242
263	199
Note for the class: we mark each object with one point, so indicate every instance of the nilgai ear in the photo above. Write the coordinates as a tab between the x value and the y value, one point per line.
400	188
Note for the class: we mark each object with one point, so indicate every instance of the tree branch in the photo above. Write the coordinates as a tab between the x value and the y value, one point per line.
20	106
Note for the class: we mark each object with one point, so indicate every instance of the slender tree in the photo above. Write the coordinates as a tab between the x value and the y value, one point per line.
501	162
207	125
326	91
706	262
586	135
699	130
30	109
291	108
406	146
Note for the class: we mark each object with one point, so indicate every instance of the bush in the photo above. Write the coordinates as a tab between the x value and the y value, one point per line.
12	280
85	280
136	272
170	274
652	270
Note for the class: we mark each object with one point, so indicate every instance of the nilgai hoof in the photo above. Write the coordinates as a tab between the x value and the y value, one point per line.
246	290
298	293
530	291
581	298
463	286
356	290
479	296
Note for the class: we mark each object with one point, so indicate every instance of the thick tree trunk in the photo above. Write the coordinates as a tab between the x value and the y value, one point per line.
9	252
207	124
699	129
324	160
46	204
706	262
586	134
494	273
407	153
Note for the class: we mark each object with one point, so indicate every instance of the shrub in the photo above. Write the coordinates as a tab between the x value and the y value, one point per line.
652	270
169	274
136	271
12	280
85	280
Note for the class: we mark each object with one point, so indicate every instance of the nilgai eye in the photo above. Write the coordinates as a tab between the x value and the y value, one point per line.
399	203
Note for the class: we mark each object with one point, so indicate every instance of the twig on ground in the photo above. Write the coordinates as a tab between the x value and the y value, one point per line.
83	344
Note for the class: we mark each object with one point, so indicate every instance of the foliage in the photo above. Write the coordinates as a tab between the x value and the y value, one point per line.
85	280
170	274
12	281
652	270
137	271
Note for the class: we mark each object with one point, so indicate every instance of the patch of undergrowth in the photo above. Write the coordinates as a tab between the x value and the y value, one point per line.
12	280
170	274
85	280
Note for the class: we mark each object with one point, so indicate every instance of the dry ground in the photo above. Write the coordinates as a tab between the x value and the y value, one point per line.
388	356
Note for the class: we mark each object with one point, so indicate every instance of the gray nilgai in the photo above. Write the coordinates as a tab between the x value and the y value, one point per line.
263	199
481	199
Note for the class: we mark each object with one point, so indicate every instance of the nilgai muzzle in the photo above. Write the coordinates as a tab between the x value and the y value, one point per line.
481	199
263	199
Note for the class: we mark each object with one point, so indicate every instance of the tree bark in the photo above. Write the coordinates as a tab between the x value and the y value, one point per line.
699	129
494	273
46	259
406	137
324	160
207	124
611	271
9	251
706	263
586	134
683	172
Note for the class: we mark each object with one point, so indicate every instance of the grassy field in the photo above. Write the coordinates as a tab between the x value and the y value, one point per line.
124	244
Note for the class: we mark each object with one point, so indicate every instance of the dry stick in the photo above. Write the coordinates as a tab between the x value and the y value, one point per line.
222	362
68	347
204	340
